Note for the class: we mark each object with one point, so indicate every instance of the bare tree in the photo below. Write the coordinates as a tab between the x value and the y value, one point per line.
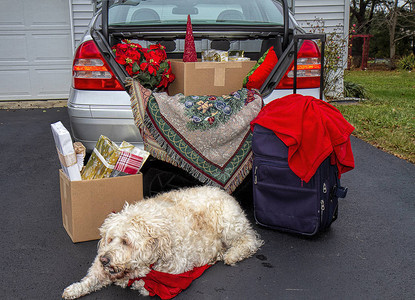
363	12
400	20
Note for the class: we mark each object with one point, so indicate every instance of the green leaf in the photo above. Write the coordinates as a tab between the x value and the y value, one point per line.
164	65
136	67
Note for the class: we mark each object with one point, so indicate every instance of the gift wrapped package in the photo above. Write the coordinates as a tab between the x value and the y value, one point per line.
214	55
130	161
80	152
127	147
102	160
66	152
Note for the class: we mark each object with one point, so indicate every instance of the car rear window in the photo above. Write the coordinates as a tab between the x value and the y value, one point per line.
207	12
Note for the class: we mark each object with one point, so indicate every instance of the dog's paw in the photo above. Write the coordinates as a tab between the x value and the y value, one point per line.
73	291
231	258
139	286
235	254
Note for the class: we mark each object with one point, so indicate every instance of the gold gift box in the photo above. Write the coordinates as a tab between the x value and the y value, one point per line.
102	160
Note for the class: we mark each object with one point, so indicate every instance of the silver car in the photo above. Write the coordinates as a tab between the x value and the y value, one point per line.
99	104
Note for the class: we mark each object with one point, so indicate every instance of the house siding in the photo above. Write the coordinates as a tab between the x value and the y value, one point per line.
82	11
334	13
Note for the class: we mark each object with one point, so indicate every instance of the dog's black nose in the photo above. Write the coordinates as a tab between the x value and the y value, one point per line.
104	260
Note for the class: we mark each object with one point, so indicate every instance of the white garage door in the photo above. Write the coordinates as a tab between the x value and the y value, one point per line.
35	49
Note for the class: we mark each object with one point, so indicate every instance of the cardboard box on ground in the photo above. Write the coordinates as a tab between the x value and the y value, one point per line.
89	194
86	203
208	78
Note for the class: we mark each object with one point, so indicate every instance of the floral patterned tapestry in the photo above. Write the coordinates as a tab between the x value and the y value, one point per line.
208	136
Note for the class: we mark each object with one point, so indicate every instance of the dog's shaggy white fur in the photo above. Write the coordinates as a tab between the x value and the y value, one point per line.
174	232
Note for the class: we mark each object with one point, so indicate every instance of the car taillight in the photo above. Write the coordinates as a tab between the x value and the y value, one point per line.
308	68
91	72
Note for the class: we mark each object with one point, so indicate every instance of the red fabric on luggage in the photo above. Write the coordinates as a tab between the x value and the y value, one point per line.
312	129
166	285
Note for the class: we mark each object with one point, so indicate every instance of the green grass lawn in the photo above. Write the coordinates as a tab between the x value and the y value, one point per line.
387	119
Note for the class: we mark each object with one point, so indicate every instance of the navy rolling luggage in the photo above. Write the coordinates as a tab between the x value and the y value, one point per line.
282	200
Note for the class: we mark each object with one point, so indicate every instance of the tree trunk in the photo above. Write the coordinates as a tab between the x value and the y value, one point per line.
392	30
392	46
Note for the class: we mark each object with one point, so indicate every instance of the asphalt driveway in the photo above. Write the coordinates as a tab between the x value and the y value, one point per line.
369	253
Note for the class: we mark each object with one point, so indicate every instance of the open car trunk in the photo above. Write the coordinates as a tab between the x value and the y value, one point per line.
254	39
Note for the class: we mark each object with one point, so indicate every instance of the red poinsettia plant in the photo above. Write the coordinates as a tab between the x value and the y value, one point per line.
147	65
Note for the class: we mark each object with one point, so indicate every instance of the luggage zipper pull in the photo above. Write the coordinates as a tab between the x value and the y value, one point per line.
322	206
255	176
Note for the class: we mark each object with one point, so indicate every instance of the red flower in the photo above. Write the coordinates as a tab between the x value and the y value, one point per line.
158	51
148	67
120	58
129	69
157	47
153	57
121	47
166	77
148	63
135	46
133	54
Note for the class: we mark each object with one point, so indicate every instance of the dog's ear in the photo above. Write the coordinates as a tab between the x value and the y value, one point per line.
103	231
112	220
157	235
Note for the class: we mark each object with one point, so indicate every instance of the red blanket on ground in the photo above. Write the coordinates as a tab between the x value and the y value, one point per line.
312	129
166	285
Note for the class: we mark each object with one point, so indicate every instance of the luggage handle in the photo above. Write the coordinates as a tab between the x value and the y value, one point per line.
338	190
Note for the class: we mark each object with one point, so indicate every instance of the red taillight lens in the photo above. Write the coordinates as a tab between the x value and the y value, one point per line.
308	68
91	72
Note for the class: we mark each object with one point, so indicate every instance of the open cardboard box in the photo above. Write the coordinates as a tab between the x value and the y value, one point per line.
86	203
208	78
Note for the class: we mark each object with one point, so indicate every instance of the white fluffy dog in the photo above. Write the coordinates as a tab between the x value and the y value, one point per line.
173	232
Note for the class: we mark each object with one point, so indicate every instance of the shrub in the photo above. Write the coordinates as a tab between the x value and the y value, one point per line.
354	90
407	62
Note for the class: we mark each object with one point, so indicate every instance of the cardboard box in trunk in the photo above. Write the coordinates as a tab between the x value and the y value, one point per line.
208	78
86	203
